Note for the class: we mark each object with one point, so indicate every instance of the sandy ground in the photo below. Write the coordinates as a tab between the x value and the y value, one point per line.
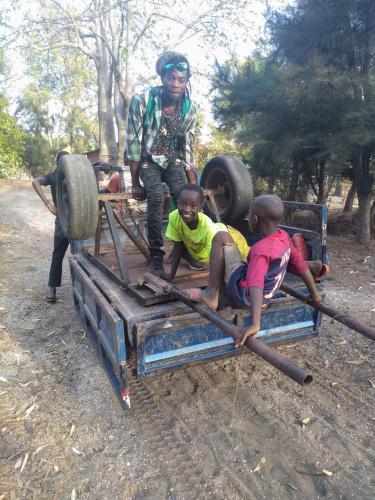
231	429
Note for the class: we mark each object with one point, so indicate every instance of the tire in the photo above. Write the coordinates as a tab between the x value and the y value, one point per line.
230	173
77	197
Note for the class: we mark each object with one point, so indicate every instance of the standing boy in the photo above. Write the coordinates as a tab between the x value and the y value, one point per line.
60	242
253	284
160	142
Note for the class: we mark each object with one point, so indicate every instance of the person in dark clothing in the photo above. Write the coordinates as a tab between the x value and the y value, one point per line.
60	242
160	145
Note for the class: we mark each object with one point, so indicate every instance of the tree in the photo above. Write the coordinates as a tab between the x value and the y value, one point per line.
11	137
11	142
285	117
342	34
307	106
113	34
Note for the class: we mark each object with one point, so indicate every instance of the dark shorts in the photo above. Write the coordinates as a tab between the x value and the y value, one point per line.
237	295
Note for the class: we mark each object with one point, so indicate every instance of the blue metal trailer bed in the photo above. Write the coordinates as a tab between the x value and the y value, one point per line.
133	330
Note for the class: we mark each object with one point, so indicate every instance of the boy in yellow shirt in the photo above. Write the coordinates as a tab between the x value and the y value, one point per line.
190	229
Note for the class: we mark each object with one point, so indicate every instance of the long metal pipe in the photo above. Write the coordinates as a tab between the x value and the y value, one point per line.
346	319
276	359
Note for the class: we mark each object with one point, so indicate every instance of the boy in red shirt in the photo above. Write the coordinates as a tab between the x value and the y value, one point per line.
253	284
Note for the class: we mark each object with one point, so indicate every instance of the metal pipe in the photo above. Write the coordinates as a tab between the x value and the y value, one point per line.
276	359
346	319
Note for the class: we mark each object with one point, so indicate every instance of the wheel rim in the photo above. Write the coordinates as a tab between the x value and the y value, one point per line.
215	180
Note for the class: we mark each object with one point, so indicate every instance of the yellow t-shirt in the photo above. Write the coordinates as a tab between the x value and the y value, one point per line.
198	241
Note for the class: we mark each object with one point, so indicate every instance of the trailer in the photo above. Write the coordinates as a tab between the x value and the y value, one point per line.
136	329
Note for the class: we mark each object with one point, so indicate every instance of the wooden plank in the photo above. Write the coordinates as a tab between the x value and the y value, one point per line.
129	196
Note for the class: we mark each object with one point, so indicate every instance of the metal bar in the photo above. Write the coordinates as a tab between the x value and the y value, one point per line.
128	211
116	242
276	359
214	206
346	319
98	233
137	242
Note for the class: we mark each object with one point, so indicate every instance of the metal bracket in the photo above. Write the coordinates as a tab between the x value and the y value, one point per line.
116	242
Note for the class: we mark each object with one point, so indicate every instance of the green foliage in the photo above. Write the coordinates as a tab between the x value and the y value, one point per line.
32	110
38	156
306	109
220	144
11	142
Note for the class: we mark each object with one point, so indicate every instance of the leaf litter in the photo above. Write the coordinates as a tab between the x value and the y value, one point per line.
259	465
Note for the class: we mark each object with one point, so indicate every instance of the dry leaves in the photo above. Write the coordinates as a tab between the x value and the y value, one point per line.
30	409
40	448
357	361
21	462
71	431
77	452
24	462
340	342
305	421
259	465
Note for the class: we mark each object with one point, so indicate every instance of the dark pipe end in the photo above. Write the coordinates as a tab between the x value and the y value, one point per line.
308	379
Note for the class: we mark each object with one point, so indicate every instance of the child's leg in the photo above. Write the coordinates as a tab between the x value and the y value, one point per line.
217	271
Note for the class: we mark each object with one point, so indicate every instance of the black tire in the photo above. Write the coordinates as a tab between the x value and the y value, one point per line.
77	197
231	174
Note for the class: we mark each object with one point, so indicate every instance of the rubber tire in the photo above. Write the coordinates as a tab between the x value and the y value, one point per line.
230	172
77	197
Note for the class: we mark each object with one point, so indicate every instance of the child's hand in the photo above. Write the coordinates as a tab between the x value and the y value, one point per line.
249	331
51	207
314	297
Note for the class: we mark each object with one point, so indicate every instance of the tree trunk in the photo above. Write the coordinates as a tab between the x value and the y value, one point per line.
364	181
120	117
350	197
270	184
107	135
294	181
363	219
372	210
322	198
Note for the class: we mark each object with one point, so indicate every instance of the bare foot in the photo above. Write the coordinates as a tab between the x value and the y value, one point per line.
202	296
315	267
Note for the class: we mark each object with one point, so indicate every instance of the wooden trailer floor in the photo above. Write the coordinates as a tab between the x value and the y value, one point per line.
137	266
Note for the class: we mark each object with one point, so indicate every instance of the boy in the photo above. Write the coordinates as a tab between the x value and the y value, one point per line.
192	231
254	284
60	242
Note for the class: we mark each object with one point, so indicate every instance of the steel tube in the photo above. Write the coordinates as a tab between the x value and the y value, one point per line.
276	359
346	319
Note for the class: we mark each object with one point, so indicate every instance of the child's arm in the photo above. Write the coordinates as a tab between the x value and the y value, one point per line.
307	277
37	185
178	248
256	303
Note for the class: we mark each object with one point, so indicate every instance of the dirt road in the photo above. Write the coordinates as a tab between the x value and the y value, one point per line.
232	429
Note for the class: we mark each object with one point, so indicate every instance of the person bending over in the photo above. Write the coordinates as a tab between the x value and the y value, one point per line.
60	242
192	231
160	143
253	284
